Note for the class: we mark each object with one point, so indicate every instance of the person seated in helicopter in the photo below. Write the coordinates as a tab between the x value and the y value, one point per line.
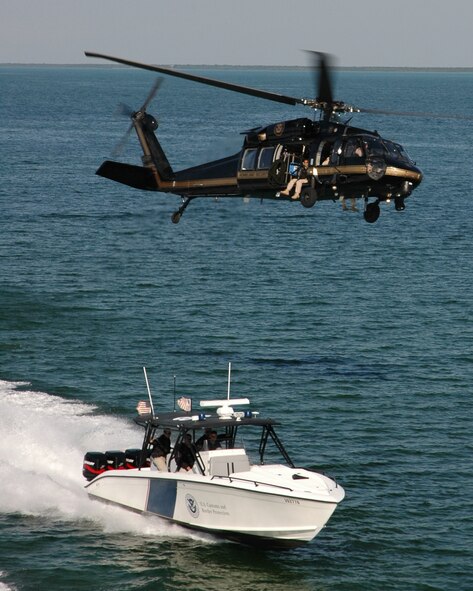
353	152
358	153
326	154
353	204
300	179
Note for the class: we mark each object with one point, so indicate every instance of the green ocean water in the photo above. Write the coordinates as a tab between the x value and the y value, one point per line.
357	336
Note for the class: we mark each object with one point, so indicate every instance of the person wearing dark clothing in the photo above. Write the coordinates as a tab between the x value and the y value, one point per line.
214	443
161	448
185	454
298	181
202	442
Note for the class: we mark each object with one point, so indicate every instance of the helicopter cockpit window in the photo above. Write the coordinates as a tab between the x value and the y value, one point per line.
404	154
374	147
265	158
249	159
396	151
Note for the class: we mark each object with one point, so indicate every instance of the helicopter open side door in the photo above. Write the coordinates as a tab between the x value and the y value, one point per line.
254	167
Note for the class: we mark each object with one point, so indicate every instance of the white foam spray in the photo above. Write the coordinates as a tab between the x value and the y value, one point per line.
43	439
4	586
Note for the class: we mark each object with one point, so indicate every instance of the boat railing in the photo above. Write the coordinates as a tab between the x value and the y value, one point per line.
255	482
322	474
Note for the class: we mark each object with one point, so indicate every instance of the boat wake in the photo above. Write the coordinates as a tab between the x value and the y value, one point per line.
42	445
4	586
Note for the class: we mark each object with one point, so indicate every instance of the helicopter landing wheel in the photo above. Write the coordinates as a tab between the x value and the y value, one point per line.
372	212
308	197
399	203
176	216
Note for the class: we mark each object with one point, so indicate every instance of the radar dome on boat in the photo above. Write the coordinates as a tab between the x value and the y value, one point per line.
224	407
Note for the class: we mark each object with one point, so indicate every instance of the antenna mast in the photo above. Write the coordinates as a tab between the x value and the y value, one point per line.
229	375
149	391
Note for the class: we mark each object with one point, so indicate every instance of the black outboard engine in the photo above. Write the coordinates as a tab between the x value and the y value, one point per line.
133	458
95	462
115	460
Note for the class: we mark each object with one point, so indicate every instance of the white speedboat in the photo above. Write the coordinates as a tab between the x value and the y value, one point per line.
226	491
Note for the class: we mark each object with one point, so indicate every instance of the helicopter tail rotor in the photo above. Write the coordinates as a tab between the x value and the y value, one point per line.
152	93
125	110
120	146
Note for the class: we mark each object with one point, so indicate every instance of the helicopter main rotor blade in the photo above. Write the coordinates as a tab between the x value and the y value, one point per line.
120	146
322	68
324	101
152	93
426	115
270	96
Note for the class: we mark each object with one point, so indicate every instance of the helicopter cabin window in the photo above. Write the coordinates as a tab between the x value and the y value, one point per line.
374	147
337	153
265	158
324	154
249	159
353	151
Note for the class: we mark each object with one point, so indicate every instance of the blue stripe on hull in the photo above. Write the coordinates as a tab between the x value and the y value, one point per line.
162	497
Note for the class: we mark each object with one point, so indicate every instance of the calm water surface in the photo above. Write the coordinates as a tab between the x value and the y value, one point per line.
359	337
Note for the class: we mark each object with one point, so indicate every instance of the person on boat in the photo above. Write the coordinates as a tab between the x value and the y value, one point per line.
202	442
213	442
185	454
161	448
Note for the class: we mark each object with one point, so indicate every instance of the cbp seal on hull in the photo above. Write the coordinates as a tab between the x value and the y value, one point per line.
192	506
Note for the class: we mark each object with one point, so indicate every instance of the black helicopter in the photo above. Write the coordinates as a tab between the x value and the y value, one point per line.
345	162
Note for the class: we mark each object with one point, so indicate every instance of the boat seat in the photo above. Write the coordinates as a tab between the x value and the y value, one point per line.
226	465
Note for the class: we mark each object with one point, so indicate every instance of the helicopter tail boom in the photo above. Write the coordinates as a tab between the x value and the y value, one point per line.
156	169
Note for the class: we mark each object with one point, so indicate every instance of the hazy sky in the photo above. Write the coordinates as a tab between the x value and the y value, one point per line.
268	32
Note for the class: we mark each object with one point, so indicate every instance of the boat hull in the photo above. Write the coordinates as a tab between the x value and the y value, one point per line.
243	507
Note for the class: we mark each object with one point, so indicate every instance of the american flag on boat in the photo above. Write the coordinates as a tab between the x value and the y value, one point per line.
143	407
184	403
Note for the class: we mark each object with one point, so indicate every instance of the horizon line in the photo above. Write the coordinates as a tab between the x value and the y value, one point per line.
226	66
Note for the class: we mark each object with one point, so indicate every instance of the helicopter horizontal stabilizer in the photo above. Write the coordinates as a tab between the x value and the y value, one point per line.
138	177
